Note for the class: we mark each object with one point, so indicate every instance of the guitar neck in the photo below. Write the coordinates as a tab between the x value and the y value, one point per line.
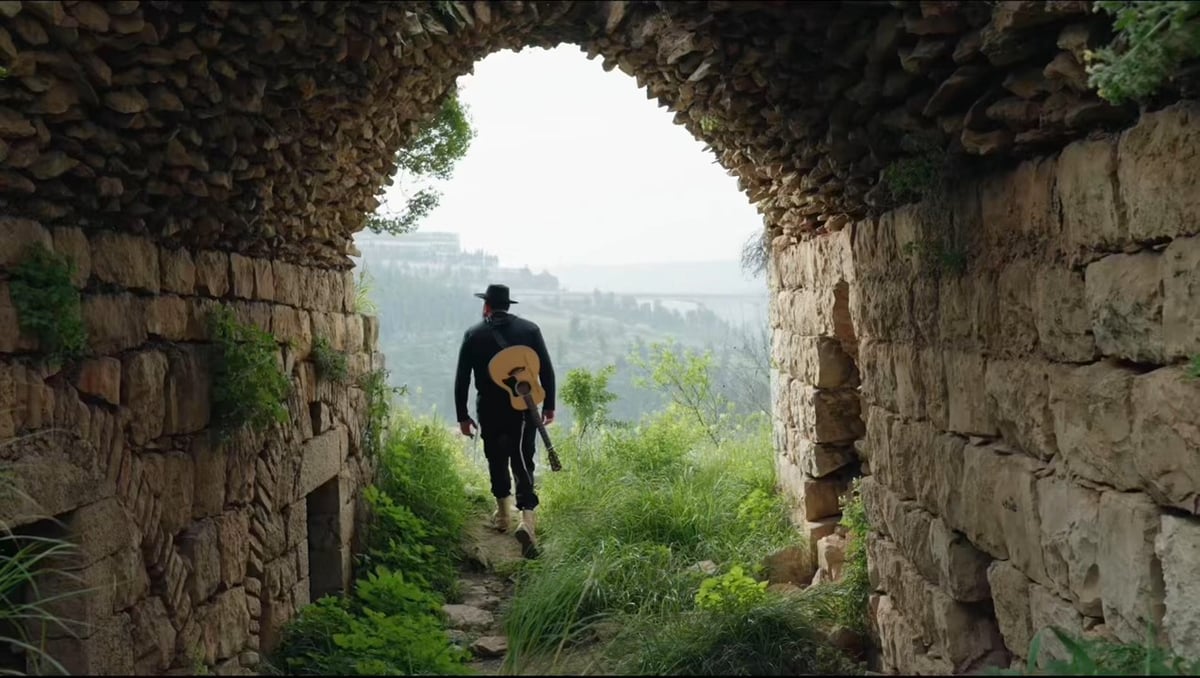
532	412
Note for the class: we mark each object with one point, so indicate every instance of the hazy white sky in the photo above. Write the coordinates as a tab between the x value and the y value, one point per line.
572	165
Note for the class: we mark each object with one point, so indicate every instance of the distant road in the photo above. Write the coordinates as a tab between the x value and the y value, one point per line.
699	296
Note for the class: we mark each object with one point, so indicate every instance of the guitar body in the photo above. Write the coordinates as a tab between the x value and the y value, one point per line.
514	366
515	369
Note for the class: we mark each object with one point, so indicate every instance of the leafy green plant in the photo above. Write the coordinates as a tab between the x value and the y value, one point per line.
379	407
709	124
910	178
847	598
1194	368
362	293
588	396
1152	39
937	256
439	145
730	592
48	304
331	364
1100	657
249	387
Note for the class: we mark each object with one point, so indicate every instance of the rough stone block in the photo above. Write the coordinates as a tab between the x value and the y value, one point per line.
188	386
179	483
878	374
1047	610
101	377
1020	205
821	497
225	623
966	386
19	235
1093	422
1018	399
818	460
1131	584
178	271
1010	594
910	392
167	318
287	283
1166	436
105	652
1070	518
902	644
1181	298
234	530
1015	308
293	326
961	568
114	322
321	458
143	377
73	244
1061	314
979	515
1155	172
152	634
1178	548
827	416
212	273
99	530
242	276
209	462
264	280
1125	303
201	545
125	260
1088	197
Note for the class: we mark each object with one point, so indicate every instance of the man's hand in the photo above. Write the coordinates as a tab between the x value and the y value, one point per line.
467	426
548	417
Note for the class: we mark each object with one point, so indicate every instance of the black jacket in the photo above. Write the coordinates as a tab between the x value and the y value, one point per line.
479	346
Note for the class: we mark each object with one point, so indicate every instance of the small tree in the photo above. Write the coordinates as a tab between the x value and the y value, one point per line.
587	395
432	155
1152	39
686	377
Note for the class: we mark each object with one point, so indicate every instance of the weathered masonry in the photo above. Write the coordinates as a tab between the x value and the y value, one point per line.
1001	362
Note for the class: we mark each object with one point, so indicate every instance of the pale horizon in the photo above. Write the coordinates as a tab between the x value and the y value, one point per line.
572	165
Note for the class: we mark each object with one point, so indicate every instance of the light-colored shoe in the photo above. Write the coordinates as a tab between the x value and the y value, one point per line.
526	534
502	514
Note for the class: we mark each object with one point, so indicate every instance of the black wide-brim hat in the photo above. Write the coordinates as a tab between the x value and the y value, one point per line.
496	294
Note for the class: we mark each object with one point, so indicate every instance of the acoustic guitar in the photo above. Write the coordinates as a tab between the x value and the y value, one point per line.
515	369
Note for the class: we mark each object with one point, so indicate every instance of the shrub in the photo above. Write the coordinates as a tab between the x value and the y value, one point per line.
731	592
331	364
847	599
379	407
48	304
1151	40
588	396
911	178
249	388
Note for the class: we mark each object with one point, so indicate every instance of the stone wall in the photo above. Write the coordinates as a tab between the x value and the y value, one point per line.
1032	440
197	549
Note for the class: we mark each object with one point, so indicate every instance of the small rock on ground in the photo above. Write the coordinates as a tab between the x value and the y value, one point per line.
467	617
490	646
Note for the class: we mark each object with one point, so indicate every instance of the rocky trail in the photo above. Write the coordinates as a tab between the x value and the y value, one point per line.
487	585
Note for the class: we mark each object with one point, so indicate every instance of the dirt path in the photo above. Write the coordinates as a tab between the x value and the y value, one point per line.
487	588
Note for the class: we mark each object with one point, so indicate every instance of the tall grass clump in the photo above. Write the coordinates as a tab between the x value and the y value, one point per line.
28	611
393	624
623	538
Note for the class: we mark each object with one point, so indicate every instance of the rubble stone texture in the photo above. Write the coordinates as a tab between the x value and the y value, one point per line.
1024	422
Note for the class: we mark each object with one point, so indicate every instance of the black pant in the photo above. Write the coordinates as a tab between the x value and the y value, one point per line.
511	441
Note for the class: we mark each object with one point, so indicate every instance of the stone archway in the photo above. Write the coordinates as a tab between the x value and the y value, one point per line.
190	155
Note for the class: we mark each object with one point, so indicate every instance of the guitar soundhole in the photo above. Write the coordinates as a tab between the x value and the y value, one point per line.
522	388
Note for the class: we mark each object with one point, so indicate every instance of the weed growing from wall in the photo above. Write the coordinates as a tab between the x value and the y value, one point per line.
48	304
910	179
1194	368
937	256
1151	40
249	387
1099	657
362	294
331	364
379	408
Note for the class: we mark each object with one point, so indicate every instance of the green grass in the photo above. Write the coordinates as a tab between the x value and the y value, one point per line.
332	364
620	535
249	386
48	304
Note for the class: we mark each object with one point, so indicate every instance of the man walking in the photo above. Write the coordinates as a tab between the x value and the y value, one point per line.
508	435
